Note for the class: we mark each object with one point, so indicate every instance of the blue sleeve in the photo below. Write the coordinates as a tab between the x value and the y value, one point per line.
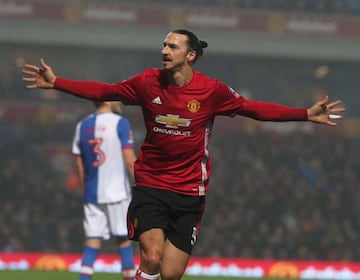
125	133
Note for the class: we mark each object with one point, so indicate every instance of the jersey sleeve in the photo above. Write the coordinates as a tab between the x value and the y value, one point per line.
229	102
125	133
226	100
267	111
76	141
126	91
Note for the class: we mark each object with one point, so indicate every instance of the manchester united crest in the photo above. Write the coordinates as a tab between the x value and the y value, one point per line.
193	106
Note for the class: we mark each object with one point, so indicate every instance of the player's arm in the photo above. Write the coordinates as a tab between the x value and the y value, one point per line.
44	77
267	111
321	112
229	102
129	158
80	169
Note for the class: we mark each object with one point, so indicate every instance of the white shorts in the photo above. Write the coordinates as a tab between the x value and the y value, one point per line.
105	220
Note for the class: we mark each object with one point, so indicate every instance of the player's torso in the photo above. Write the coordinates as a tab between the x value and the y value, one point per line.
179	120
177	117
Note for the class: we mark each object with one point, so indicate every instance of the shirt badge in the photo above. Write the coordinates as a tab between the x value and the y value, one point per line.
193	106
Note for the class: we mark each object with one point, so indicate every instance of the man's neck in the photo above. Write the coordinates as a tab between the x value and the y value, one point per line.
103	110
180	78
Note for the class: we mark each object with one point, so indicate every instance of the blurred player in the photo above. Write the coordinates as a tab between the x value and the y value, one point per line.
103	146
173	168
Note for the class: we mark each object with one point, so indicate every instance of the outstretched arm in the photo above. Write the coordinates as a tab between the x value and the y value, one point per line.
324	112
39	77
321	112
43	77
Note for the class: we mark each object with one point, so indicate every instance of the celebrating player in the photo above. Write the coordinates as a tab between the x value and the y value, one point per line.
172	171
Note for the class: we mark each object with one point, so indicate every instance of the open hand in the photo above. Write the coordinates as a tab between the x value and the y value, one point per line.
39	77
324	112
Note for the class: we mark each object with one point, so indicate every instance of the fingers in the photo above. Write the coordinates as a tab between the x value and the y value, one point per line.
331	118
330	108
326	113
323	104
27	72
25	79
331	123
38	76
335	117
31	69
324	101
30	80
43	64
31	86
334	103
335	114
337	110
30	66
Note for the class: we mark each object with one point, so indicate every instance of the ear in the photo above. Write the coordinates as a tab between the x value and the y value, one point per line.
191	56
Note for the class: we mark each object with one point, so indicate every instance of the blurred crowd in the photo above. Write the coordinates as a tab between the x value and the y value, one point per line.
274	193
283	196
37	213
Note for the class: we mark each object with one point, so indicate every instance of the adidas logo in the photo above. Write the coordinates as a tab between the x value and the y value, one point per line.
156	100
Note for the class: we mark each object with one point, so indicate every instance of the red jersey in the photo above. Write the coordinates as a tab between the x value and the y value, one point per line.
179	120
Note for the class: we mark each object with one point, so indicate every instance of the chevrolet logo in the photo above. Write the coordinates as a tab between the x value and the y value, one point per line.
172	121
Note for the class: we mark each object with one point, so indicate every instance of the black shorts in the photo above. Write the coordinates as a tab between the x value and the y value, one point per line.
178	215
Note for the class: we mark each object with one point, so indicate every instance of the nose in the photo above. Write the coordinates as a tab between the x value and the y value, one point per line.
164	50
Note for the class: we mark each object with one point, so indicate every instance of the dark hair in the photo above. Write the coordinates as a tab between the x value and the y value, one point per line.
193	41
98	104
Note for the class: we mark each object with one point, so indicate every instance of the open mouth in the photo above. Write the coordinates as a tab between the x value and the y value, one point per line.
165	59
